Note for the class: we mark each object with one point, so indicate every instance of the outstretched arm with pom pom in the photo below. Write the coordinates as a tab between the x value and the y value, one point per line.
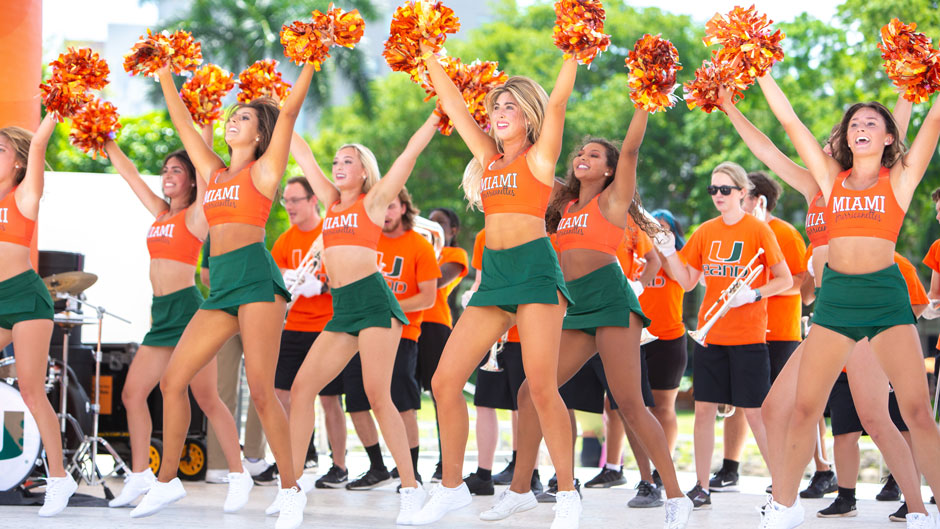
547	148
29	191
128	171
389	186
907	175
623	187
204	158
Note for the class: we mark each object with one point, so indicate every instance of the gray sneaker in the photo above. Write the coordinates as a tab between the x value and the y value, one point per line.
647	495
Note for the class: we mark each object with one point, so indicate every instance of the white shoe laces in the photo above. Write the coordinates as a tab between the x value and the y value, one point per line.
55	489
409	500
563	505
288	505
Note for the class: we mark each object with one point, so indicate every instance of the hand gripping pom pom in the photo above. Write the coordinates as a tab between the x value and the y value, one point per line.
474	81
749	48
712	76
203	93
262	80
177	50
309	42
417	24
73	74
579	29
653	65
910	60
93	126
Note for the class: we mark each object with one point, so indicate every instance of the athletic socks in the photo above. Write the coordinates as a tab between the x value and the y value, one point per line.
611	466
730	465
414	458
375	457
485	474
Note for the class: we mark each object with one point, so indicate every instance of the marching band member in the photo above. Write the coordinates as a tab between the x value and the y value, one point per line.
25	304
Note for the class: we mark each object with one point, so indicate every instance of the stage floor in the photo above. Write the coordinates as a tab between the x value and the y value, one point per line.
341	509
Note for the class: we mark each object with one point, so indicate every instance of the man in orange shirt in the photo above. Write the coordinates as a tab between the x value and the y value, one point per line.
312	309
409	265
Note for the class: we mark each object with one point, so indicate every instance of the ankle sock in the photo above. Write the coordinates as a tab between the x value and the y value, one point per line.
375	457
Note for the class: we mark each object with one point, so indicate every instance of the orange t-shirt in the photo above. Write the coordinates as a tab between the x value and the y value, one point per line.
476	261
915	289
404	262
440	312
307	314
635	243
661	302
784	312
932	260
721	252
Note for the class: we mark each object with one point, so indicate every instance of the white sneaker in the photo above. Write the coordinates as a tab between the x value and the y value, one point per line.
776	516
307	482
916	520
509	502
159	496
255	467
136	484
412	499
678	511
239	488
217	476
58	492
292	509
442	501
275	506
567	510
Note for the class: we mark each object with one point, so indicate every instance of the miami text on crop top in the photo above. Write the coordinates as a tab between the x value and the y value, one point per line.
873	212
14	227
816	222
236	201
513	189
351	227
588	229
169	238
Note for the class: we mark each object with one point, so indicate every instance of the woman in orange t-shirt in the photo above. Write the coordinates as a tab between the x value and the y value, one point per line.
733	367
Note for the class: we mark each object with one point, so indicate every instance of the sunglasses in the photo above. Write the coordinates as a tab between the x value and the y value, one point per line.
725	190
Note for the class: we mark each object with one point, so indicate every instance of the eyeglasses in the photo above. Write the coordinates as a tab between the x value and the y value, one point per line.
293	201
725	190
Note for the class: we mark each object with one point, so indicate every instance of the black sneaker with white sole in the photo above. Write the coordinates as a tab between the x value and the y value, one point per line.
267	477
536	484
842	507
700	498
370	480
607	478
899	515
335	478
438	474
504	477
891	491
723	481
657	480
479	486
822	482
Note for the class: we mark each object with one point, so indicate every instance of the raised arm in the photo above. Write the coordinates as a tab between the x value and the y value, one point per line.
303	155
204	158
623	187
822	167
390	184
902	115
479	142
273	162
29	191
906	176
128	171
548	147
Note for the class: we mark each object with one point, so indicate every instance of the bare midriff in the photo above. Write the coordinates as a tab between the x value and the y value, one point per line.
347	264
580	262
168	276
508	230
860	255
14	260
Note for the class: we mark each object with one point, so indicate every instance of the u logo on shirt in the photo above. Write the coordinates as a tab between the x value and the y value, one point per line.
737	249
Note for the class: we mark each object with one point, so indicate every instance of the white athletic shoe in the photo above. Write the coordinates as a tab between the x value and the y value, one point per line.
159	496
678	511
275	506
442	500
916	520
509	502
58	492
292	509
217	476
567	510
136	484
776	516
412	499
239	488
255	467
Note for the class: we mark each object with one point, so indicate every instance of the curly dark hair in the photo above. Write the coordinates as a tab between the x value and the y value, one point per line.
840	146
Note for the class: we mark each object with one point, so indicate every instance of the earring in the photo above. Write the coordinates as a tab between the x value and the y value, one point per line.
257	139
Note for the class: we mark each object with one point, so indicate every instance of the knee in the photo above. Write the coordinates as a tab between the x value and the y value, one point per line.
542	395
917	416
263	399
33	396
804	412
444	386
172	386
133	395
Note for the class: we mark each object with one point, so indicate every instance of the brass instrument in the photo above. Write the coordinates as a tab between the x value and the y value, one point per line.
723	305
647	337
431	231
491	364
760	210
309	264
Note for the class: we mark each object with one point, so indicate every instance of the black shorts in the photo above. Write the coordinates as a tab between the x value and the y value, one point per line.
500	390
586	389
780	352
294	348
405	393
845	417
666	361
430	346
731	374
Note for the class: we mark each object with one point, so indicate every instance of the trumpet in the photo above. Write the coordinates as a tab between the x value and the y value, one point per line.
722	305
491	364
760	210
310	263
647	337
431	231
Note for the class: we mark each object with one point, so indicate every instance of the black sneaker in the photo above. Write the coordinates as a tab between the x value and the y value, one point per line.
821	483
548	496
370	480
842	507
657	480
899	515
394	473
313	460
933	500
607	478
417	478
438	474
891	491
268	477
479	486
647	495
723	481
335	478
700	498
504	477
536	485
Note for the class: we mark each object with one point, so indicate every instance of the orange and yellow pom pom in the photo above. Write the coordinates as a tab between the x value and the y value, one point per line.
204	91
309	42
474	81
261	79
749	46
709	79
653	65
911	61
92	126
579	29
417	24
177	50
73	74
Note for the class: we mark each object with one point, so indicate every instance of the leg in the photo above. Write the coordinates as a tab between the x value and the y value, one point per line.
616	433
735	435
254	432
636	446
487	429
410	419
704	440
847	459
283	396
144	374
365	428
205	390
335	428
665	413
229	362
756	423
776	409
820	456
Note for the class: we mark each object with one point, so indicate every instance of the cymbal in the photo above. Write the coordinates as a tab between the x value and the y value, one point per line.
73	283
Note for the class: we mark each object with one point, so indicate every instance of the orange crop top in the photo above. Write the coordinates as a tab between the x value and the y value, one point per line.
14	227
816	223
351	227
169	238
513	189
588	229
873	212
236	201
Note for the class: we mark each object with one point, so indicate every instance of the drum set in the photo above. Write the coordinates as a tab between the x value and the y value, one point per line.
20	452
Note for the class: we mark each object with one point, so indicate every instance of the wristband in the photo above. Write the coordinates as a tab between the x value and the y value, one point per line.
757	295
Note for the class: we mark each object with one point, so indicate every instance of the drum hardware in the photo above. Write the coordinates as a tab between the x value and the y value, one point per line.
723	304
73	283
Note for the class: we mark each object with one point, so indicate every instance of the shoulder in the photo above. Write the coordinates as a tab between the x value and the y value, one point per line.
454	254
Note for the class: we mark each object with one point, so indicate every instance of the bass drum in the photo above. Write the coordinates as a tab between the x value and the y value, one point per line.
21	444
76	406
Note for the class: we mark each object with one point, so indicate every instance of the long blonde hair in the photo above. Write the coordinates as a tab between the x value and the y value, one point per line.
532	99
369	163
20	138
